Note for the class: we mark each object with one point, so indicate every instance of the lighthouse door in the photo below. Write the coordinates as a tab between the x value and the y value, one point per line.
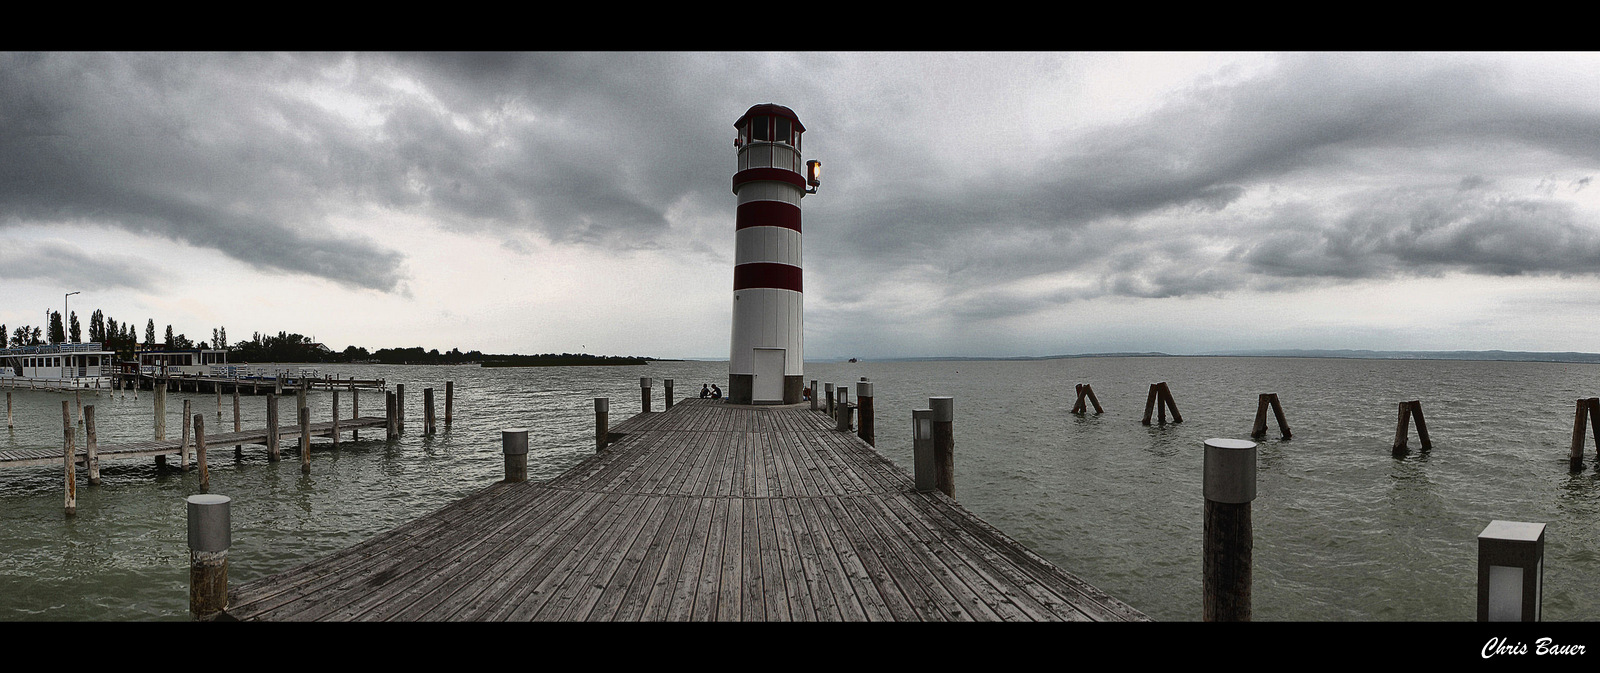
768	386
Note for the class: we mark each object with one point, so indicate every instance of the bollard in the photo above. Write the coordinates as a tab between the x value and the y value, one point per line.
842	418
644	393
814	392
449	400
305	440
1510	572
828	391
602	432
864	427
69	455
272	428
427	411
200	450
92	445
667	385
210	535
1229	486
399	408
515	445
944	442
922	449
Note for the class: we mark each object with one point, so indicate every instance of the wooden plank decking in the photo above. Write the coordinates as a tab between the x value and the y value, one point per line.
53	455
706	511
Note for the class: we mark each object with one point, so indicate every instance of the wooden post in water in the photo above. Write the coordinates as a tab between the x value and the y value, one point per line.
9	423
92	444
1580	421
218	387
1086	397
1422	425
355	410
927	475
514	443
183	447
200	451
944	442
1408	411
301	392
389	426
1229	487
272	428
305	440
864	427
1594	424
427	411
449	401
1150	402
77	401
667	387
238	449
1166	397
210	535
644	393
161	417
602	429
1263	402
335	418
399	408
69	455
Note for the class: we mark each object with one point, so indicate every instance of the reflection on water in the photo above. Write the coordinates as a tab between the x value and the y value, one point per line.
1343	529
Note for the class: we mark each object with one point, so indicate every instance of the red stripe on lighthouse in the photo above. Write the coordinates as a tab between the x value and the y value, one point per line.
766	275
773	174
768	214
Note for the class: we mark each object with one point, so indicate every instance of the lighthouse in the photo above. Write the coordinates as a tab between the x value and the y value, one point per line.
766	361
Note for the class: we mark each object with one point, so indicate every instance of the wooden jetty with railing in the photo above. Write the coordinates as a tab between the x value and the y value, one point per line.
704	511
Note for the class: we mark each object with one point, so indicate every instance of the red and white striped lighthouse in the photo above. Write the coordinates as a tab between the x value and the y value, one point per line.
766	363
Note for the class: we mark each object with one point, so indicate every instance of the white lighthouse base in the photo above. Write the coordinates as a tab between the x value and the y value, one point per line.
741	389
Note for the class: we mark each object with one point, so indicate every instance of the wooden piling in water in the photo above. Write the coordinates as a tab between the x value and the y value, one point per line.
1085	398
77	402
305	440
336	418
514	444
161	418
238	449
209	538
864	421
355	410
399	408
1229	483
450	400
1263	403
9	423
69	456
183	447
272	428
427	411
1160	400
200	451
1402	429
392	427
1580	422
602	429
218	387
91	446
944	443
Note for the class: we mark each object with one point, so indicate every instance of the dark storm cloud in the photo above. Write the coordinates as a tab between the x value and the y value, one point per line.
1363	139
70	265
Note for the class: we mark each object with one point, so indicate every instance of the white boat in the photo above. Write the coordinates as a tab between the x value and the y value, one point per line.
64	366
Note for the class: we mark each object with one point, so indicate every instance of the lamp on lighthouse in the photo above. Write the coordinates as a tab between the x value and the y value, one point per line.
813	175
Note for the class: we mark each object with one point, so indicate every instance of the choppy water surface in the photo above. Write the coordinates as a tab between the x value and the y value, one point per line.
1343	530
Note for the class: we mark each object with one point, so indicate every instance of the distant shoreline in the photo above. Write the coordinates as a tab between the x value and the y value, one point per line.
1490	356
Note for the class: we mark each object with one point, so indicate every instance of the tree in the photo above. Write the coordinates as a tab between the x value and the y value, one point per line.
58	333
223	339
215	340
3	335
76	331
169	341
97	326
150	332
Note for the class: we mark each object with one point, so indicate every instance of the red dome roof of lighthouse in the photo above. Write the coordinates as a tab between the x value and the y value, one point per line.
771	109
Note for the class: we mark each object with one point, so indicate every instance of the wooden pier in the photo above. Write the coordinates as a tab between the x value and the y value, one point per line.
174	447
705	511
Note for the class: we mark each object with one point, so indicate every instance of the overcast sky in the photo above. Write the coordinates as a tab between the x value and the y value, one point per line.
971	203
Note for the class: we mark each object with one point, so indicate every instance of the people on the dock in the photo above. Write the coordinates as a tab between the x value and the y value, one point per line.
705	391
805	394
716	393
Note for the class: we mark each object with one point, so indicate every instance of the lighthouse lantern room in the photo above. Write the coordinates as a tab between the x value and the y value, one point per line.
766	363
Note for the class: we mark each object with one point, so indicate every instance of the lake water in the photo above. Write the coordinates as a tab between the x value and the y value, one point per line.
1344	531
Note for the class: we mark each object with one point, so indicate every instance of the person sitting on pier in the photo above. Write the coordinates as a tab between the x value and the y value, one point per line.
716	393
805	394
705	391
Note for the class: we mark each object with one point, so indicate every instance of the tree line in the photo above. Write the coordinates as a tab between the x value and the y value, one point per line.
123	339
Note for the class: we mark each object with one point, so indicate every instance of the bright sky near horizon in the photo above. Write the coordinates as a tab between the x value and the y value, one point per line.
977	204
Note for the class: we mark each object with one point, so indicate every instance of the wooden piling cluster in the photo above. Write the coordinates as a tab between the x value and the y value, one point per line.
1160	400
1086	394
1402	431
1588	410
1259	430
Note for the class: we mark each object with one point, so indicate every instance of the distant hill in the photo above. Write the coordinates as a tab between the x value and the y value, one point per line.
1511	356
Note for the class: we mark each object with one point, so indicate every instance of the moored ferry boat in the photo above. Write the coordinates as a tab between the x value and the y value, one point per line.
68	365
